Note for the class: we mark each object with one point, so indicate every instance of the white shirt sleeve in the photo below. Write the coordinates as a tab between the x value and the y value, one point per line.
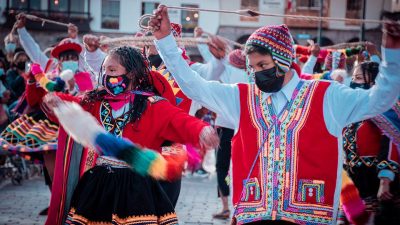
220	98
308	67
205	52
211	70
93	59
343	105
31	48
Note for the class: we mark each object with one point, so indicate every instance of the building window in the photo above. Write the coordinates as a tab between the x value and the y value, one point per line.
110	14
23	4
77	7
309	4
148	7
353	9
189	19
252	5
59	6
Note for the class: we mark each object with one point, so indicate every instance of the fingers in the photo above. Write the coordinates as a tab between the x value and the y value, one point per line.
392	28
385	196
52	100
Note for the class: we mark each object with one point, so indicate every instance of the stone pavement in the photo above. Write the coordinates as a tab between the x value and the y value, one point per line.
21	204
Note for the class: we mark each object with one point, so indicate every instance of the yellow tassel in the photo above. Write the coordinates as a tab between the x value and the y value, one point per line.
158	168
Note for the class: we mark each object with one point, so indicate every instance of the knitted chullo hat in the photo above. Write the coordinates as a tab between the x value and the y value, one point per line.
237	59
279	41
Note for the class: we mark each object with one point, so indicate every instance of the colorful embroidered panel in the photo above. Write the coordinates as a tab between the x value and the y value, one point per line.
111	125
282	196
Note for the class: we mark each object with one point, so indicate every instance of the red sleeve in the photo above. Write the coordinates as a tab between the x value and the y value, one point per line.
34	94
180	127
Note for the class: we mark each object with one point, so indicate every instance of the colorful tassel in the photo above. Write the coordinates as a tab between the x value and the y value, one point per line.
49	85
194	158
353	205
143	161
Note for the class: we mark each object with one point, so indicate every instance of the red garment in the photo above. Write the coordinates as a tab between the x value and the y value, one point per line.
295	179
34	94
160	122
368	139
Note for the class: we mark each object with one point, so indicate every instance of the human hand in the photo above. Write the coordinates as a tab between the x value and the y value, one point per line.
384	190
217	47
72	31
160	23
21	21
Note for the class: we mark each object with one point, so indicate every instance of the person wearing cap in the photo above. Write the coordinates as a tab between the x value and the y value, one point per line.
280	171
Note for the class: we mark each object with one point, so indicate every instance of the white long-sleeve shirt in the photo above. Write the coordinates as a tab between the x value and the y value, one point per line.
32	49
211	70
230	75
342	105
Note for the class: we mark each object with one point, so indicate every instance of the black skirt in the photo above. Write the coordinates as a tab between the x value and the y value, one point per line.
110	195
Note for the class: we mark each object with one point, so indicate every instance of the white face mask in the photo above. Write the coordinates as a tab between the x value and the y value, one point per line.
70	65
10	47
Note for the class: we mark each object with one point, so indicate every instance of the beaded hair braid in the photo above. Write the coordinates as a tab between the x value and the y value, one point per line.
137	71
369	69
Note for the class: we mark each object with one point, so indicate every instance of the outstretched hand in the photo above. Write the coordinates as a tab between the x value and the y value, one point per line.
21	20
72	31
391	34
217	47
91	42
159	23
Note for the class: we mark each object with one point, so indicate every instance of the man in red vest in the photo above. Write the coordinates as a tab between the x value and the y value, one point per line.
287	148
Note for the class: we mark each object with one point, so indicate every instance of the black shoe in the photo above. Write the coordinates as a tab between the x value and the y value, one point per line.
44	212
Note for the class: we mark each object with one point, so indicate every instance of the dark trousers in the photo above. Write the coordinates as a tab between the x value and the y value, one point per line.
224	159
172	189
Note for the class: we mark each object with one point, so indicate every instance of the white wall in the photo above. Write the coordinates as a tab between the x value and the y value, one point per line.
337	9
130	12
266	6
392	5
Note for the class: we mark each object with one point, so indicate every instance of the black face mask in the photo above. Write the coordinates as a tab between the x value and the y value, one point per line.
268	81
20	66
155	60
357	85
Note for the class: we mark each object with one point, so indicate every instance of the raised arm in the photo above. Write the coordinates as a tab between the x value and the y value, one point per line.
213	69
30	46
220	98
343	105
312	60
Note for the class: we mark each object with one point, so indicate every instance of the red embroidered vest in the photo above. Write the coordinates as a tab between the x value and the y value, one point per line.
296	176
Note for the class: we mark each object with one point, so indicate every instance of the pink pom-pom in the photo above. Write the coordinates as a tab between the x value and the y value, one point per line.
36	69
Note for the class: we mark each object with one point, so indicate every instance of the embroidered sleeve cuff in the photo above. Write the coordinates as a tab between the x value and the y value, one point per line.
386	174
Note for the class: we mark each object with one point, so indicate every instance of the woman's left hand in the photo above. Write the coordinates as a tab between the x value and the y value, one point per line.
384	190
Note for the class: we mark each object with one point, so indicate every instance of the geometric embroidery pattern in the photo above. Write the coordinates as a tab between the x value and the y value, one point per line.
278	197
252	192
311	189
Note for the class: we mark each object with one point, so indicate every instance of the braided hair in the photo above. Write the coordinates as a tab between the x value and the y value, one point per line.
369	71
137	70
